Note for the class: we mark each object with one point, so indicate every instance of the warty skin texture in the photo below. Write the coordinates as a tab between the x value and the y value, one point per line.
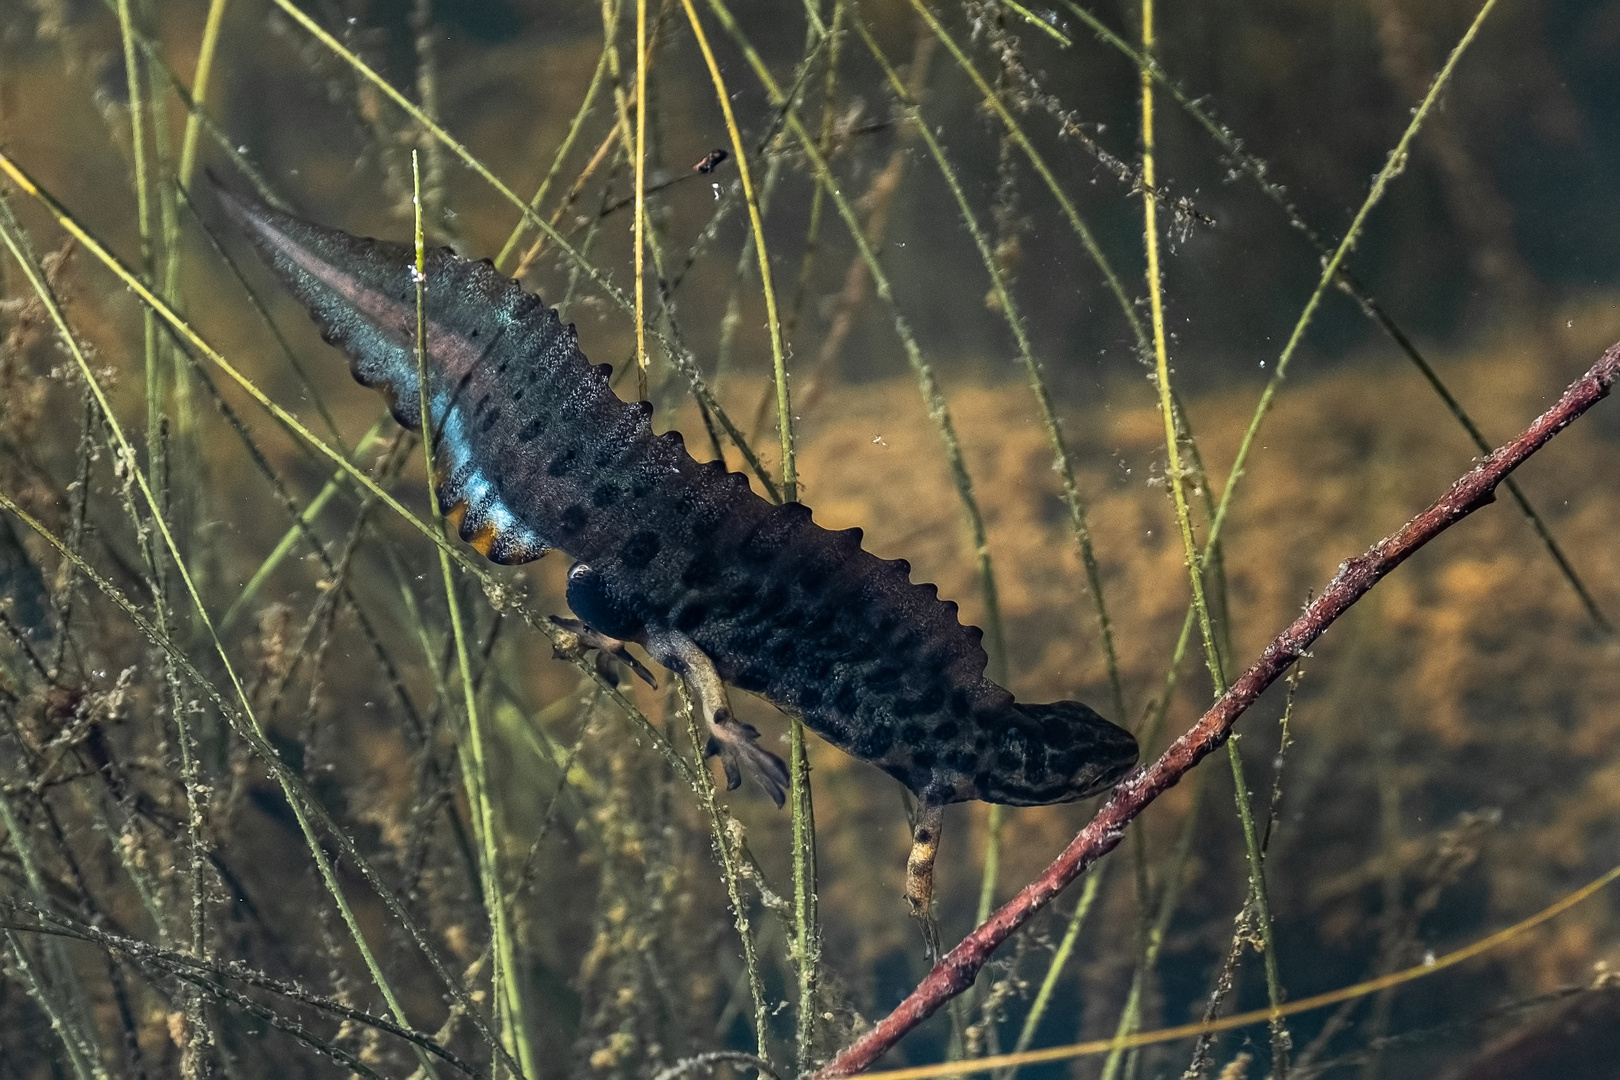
534	451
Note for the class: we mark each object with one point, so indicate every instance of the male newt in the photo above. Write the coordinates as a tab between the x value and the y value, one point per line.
534	451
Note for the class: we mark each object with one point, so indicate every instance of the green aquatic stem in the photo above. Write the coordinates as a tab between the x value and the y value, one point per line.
1393	166
933	398
81	1049
574	128
728	868
166	264
1016	132
203	973
295	532
305	806
1054	971
1260	897
682	360
143	218
1171	882
1256	170
506	985
1061	458
199	91
83	1059
1176	479
818	194
301	808
1037	22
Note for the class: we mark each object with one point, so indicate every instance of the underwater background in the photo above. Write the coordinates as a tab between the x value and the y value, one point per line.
1445	764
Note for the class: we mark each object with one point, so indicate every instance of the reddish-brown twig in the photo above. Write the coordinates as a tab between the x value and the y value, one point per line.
955	973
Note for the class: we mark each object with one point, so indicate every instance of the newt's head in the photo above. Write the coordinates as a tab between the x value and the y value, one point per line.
1042	754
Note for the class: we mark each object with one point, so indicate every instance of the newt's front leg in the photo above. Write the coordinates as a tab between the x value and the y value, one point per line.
736	742
575	639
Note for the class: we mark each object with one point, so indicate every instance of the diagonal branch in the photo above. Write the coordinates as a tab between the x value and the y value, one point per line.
1477	488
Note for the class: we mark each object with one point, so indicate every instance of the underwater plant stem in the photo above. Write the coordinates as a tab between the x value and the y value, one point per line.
199	91
81	1057
574	128
306	808
143	218
1393	166
1060	960
1280	1040
1256	170
641	197
723	848
1472	491
818	195
505	983
1212	659
80	1046
1161	368
1016	132
1061	459
1155	920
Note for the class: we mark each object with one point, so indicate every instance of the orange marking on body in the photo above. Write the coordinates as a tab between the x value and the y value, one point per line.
483	541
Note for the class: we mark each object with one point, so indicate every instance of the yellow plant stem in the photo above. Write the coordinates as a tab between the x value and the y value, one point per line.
641	196
1176	478
589	269
806	945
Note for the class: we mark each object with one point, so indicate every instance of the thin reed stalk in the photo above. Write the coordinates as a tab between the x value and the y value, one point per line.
506	978
1176	482
933	398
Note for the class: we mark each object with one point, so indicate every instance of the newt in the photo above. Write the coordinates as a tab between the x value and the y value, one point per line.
533	451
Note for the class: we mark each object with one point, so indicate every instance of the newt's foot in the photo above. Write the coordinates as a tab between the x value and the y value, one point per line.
735	742
575	639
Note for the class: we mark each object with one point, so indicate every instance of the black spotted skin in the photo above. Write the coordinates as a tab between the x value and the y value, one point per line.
534	451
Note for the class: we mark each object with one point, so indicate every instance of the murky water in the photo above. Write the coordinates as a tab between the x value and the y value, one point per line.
1450	766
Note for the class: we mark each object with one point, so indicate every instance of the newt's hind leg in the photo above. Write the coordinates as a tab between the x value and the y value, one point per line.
925	829
736	742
